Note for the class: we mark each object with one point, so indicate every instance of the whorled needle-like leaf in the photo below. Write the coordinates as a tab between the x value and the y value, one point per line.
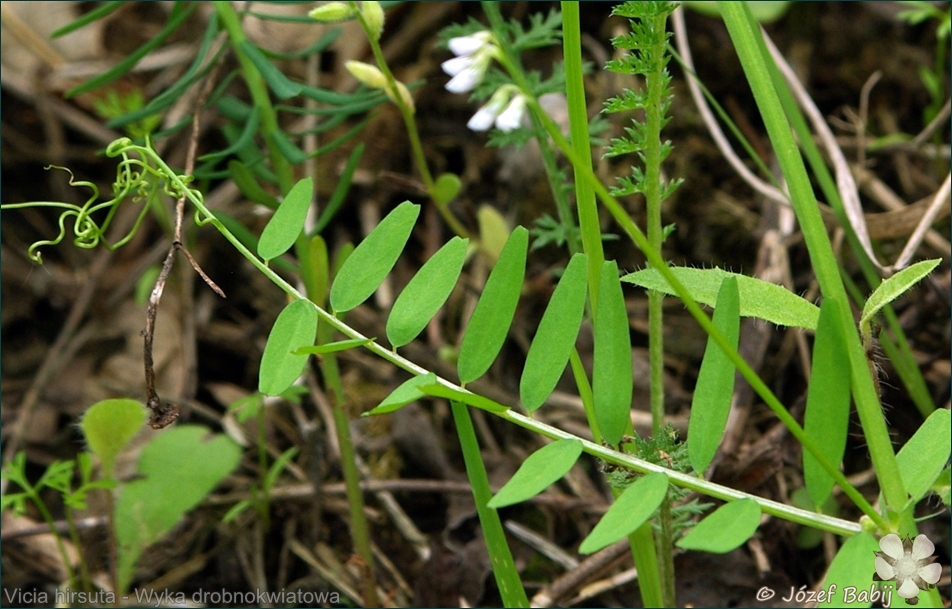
427	291
489	324
556	336
372	260
715	382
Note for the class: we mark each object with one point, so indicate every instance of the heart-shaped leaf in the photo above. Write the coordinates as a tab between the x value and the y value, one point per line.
108	426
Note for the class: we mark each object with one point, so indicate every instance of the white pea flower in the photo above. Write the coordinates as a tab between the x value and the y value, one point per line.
473	53
909	563
511	117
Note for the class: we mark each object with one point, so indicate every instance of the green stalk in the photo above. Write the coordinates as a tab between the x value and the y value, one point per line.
643	546
749	44
407	112
578	125
504	569
820	521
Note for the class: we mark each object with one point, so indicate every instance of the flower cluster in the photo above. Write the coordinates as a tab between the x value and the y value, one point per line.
474	53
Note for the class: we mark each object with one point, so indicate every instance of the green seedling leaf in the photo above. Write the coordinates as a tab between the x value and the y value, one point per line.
850	569
924	456
632	508
245	180
177	469
493	231
287	222
725	529
446	188
341	345
438	390
715	382
542	468
425	294
372	260
108	426
556	336
611	368
280	84
828	401
758	298
490	322
893	288
295	327
403	395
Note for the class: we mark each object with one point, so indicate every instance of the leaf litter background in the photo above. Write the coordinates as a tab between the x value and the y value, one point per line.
71	328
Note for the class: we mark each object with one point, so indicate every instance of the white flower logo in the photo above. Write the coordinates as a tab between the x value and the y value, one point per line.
910	563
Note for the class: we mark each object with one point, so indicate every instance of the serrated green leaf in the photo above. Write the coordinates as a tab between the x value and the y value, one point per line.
439	390
490	322
924	456
408	392
556	336
851	567
894	287
427	291
335	347
446	188
715	382
632	508
287	222
758	298
177	469
295	327
542	468
724	529
828	401
372	260
108	426
611	369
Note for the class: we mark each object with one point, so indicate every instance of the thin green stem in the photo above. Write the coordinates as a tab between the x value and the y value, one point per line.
504	569
750	48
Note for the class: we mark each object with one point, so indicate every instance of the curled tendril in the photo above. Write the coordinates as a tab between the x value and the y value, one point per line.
140	180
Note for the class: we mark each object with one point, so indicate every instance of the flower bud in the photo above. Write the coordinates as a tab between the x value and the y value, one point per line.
367	74
332	12
373	15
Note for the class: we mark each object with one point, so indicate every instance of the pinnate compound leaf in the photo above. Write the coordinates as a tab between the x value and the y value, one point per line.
372	260
894	287
850	568
108	426
538	471
725	529
490	322
177	469
295	327
403	395
611	369
427	291
758	298
286	224
924	456
715	382
632	508
556	336
828	401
